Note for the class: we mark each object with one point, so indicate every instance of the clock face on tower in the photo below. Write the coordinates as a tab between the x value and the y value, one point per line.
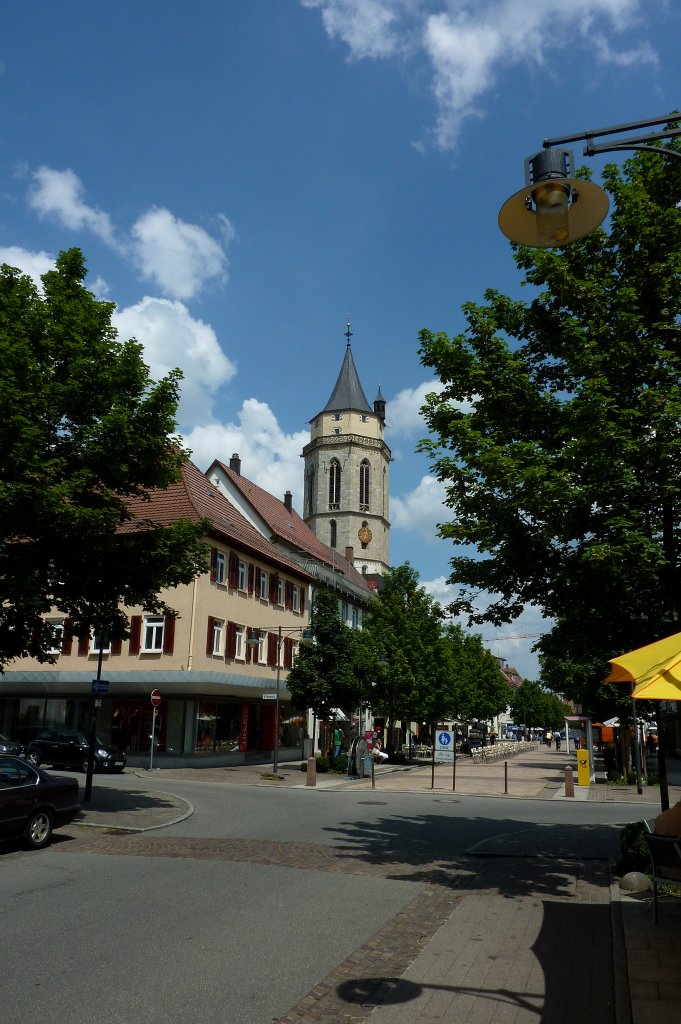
364	534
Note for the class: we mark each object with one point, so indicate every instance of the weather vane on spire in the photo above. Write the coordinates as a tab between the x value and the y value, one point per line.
348	333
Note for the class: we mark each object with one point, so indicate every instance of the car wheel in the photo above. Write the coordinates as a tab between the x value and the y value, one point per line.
38	831
33	757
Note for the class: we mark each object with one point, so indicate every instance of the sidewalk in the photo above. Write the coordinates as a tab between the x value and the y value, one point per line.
527	936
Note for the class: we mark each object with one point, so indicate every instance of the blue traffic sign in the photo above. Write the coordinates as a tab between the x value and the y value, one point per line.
444	739
100	686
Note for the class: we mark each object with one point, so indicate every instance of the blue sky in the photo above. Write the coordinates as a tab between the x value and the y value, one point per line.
244	176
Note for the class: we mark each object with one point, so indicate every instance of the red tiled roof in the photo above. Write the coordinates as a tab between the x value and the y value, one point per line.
289	526
193	497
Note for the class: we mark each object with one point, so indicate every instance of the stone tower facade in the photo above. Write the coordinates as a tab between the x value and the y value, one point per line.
347	474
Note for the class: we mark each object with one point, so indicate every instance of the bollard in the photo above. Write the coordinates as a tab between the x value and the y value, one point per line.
311	779
505	778
569	781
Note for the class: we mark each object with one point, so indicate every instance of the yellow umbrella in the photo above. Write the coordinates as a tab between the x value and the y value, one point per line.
654	669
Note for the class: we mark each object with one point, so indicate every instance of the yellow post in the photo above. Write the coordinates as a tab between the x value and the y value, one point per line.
583	770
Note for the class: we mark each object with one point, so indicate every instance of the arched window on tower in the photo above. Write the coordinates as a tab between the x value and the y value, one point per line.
385	476
334	484
310	492
333	533
364	485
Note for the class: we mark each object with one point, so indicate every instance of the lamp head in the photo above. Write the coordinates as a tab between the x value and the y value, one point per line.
253	639
554	208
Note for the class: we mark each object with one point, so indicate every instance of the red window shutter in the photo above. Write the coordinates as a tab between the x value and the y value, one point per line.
210	635
251	579
302	599
169	634
233	569
271	648
83	645
288	652
230	646
116	646
67	637
135	634
258	577
274	587
288	595
213	565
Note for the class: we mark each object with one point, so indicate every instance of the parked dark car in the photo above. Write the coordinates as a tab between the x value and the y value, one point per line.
10	747
32	803
68	748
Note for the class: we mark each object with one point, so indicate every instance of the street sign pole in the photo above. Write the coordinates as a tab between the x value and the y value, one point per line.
153	734
155	700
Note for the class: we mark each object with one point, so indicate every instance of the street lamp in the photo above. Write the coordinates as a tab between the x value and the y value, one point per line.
254	641
555	208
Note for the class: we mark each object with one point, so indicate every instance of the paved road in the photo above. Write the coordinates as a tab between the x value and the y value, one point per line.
237	912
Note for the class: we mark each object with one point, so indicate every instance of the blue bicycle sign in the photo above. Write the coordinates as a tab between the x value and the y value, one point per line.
444	739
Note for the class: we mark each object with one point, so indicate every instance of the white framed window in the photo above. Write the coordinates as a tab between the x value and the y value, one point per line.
243	575
152	636
337	430
281	593
344	611
220	567
239	643
337	416
96	644
261	648
218	636
264	585
296	599
355	618
56	627
364	418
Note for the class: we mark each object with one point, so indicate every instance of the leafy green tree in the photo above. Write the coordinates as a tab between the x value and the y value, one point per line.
403	627
323	676
557	437
83	430
480	690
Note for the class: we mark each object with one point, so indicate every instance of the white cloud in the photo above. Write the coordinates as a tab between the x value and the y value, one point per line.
269	456
420	510
369	27
404	410
468	44
179	257
171	337
34	264
59	194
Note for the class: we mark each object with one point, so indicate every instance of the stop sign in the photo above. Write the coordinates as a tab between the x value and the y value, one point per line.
156	697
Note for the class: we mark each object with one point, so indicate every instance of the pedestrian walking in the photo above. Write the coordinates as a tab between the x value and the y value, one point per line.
557	742
337	741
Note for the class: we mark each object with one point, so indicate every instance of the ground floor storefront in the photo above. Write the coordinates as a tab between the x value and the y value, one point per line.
188	729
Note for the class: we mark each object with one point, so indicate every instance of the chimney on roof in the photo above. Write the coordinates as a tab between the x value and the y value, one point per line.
235	463
350	554
288	501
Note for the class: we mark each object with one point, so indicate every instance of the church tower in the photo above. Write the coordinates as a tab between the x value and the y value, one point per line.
347	464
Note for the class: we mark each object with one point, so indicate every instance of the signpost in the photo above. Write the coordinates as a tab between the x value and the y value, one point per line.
155	700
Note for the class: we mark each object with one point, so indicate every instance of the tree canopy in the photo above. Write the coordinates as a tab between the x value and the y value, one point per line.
557	436
323	676
535	707
83	428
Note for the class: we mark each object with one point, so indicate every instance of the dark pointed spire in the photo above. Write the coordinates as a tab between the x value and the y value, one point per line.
379	404
348	392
